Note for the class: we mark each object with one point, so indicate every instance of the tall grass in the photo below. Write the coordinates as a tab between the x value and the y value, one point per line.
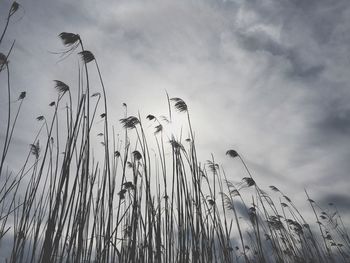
132	204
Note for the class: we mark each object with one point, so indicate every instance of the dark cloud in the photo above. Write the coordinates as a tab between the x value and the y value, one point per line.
336	122
260	41
341	202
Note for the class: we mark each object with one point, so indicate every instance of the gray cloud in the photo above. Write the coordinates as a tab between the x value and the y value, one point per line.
342	202
336	121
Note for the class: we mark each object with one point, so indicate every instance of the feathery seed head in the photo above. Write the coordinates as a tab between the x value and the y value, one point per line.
159	128
248	181
213	166
14	8
211	202
137	155
61	87
129	185
129	122
87	56
180	105
232	153
69	39
175	144
3	59
287	198
122	194
22	95
274	188
150	117
35	149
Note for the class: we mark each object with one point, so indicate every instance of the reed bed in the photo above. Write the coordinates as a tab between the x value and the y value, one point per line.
134	204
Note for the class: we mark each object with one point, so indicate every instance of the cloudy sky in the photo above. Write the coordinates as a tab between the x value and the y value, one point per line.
269	78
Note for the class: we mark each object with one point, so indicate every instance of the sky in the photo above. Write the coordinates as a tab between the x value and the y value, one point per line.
268	78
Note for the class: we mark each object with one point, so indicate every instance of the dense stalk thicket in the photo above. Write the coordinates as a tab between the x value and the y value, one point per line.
136	204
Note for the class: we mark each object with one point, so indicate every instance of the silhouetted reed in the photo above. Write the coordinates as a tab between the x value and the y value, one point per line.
146	198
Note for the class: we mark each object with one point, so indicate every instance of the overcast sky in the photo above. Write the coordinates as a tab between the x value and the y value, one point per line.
269	78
